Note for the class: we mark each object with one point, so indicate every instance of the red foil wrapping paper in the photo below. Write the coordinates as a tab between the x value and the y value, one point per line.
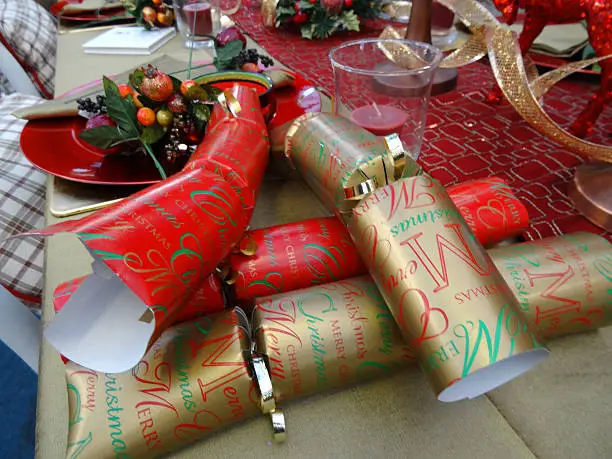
162	243
490	209
192	382
298	255
236	148
293	256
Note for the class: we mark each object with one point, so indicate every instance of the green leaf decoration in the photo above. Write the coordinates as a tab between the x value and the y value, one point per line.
196	92
213	92
122	111
201	112
152	134
226	55
325	27
349	20
136	78
285	10
102	136
305	5
306	31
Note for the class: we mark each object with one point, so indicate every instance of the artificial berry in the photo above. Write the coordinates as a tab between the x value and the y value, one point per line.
156	85
348	3
145	116
300	18
165	18
164	117
296	7
149	14
185	85
124	90
157	2
176	103
250	67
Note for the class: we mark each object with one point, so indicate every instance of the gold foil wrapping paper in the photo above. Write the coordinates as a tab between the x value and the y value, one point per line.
194	380
340	161
570	292
327	336
443	289
563	285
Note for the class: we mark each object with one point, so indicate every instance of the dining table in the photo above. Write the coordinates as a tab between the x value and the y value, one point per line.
560	410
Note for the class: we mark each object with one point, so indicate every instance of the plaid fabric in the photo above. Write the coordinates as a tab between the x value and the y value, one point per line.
28	31
5	85
22	202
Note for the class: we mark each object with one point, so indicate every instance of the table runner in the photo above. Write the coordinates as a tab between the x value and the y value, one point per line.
465	138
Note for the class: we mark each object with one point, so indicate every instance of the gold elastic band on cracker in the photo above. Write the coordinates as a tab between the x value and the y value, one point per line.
263	380
279	427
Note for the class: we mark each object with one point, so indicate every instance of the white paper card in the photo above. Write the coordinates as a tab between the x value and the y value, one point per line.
129	40
104	326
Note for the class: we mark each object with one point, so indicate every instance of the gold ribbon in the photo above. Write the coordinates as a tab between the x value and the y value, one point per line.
514	75
268	12
229	103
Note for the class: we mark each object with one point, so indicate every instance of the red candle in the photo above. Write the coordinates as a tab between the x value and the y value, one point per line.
380	120
199	18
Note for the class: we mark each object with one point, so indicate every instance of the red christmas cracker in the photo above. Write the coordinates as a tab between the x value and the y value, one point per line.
491	210
317	251
236	147
293	256
153	251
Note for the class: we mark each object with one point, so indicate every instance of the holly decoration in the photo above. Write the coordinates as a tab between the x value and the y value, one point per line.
322	18
151	13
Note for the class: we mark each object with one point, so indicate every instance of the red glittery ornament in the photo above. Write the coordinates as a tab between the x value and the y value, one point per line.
598	15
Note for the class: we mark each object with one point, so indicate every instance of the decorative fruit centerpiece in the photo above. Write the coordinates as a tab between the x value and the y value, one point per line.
151	13
322	18
165	116
158	114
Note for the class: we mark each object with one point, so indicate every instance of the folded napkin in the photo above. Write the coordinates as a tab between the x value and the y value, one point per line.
86	6
67	106
558	40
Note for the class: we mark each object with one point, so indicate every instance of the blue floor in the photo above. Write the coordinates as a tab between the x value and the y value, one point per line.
18	386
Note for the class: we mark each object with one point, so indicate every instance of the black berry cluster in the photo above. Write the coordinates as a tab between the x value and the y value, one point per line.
251	56
88	105
176	147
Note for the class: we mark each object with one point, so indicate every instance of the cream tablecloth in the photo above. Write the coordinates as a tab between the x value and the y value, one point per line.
563	409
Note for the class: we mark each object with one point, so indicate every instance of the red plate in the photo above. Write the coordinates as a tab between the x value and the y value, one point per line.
53	145
94	16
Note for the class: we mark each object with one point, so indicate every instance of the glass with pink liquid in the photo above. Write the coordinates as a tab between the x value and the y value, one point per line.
200	20
382	92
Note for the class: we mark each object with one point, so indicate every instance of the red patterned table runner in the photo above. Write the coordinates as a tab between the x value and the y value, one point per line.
466	138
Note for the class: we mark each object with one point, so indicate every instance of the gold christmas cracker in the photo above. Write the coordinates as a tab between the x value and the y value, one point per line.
340	161
193	381
422	256
327	336
563	285
572	282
